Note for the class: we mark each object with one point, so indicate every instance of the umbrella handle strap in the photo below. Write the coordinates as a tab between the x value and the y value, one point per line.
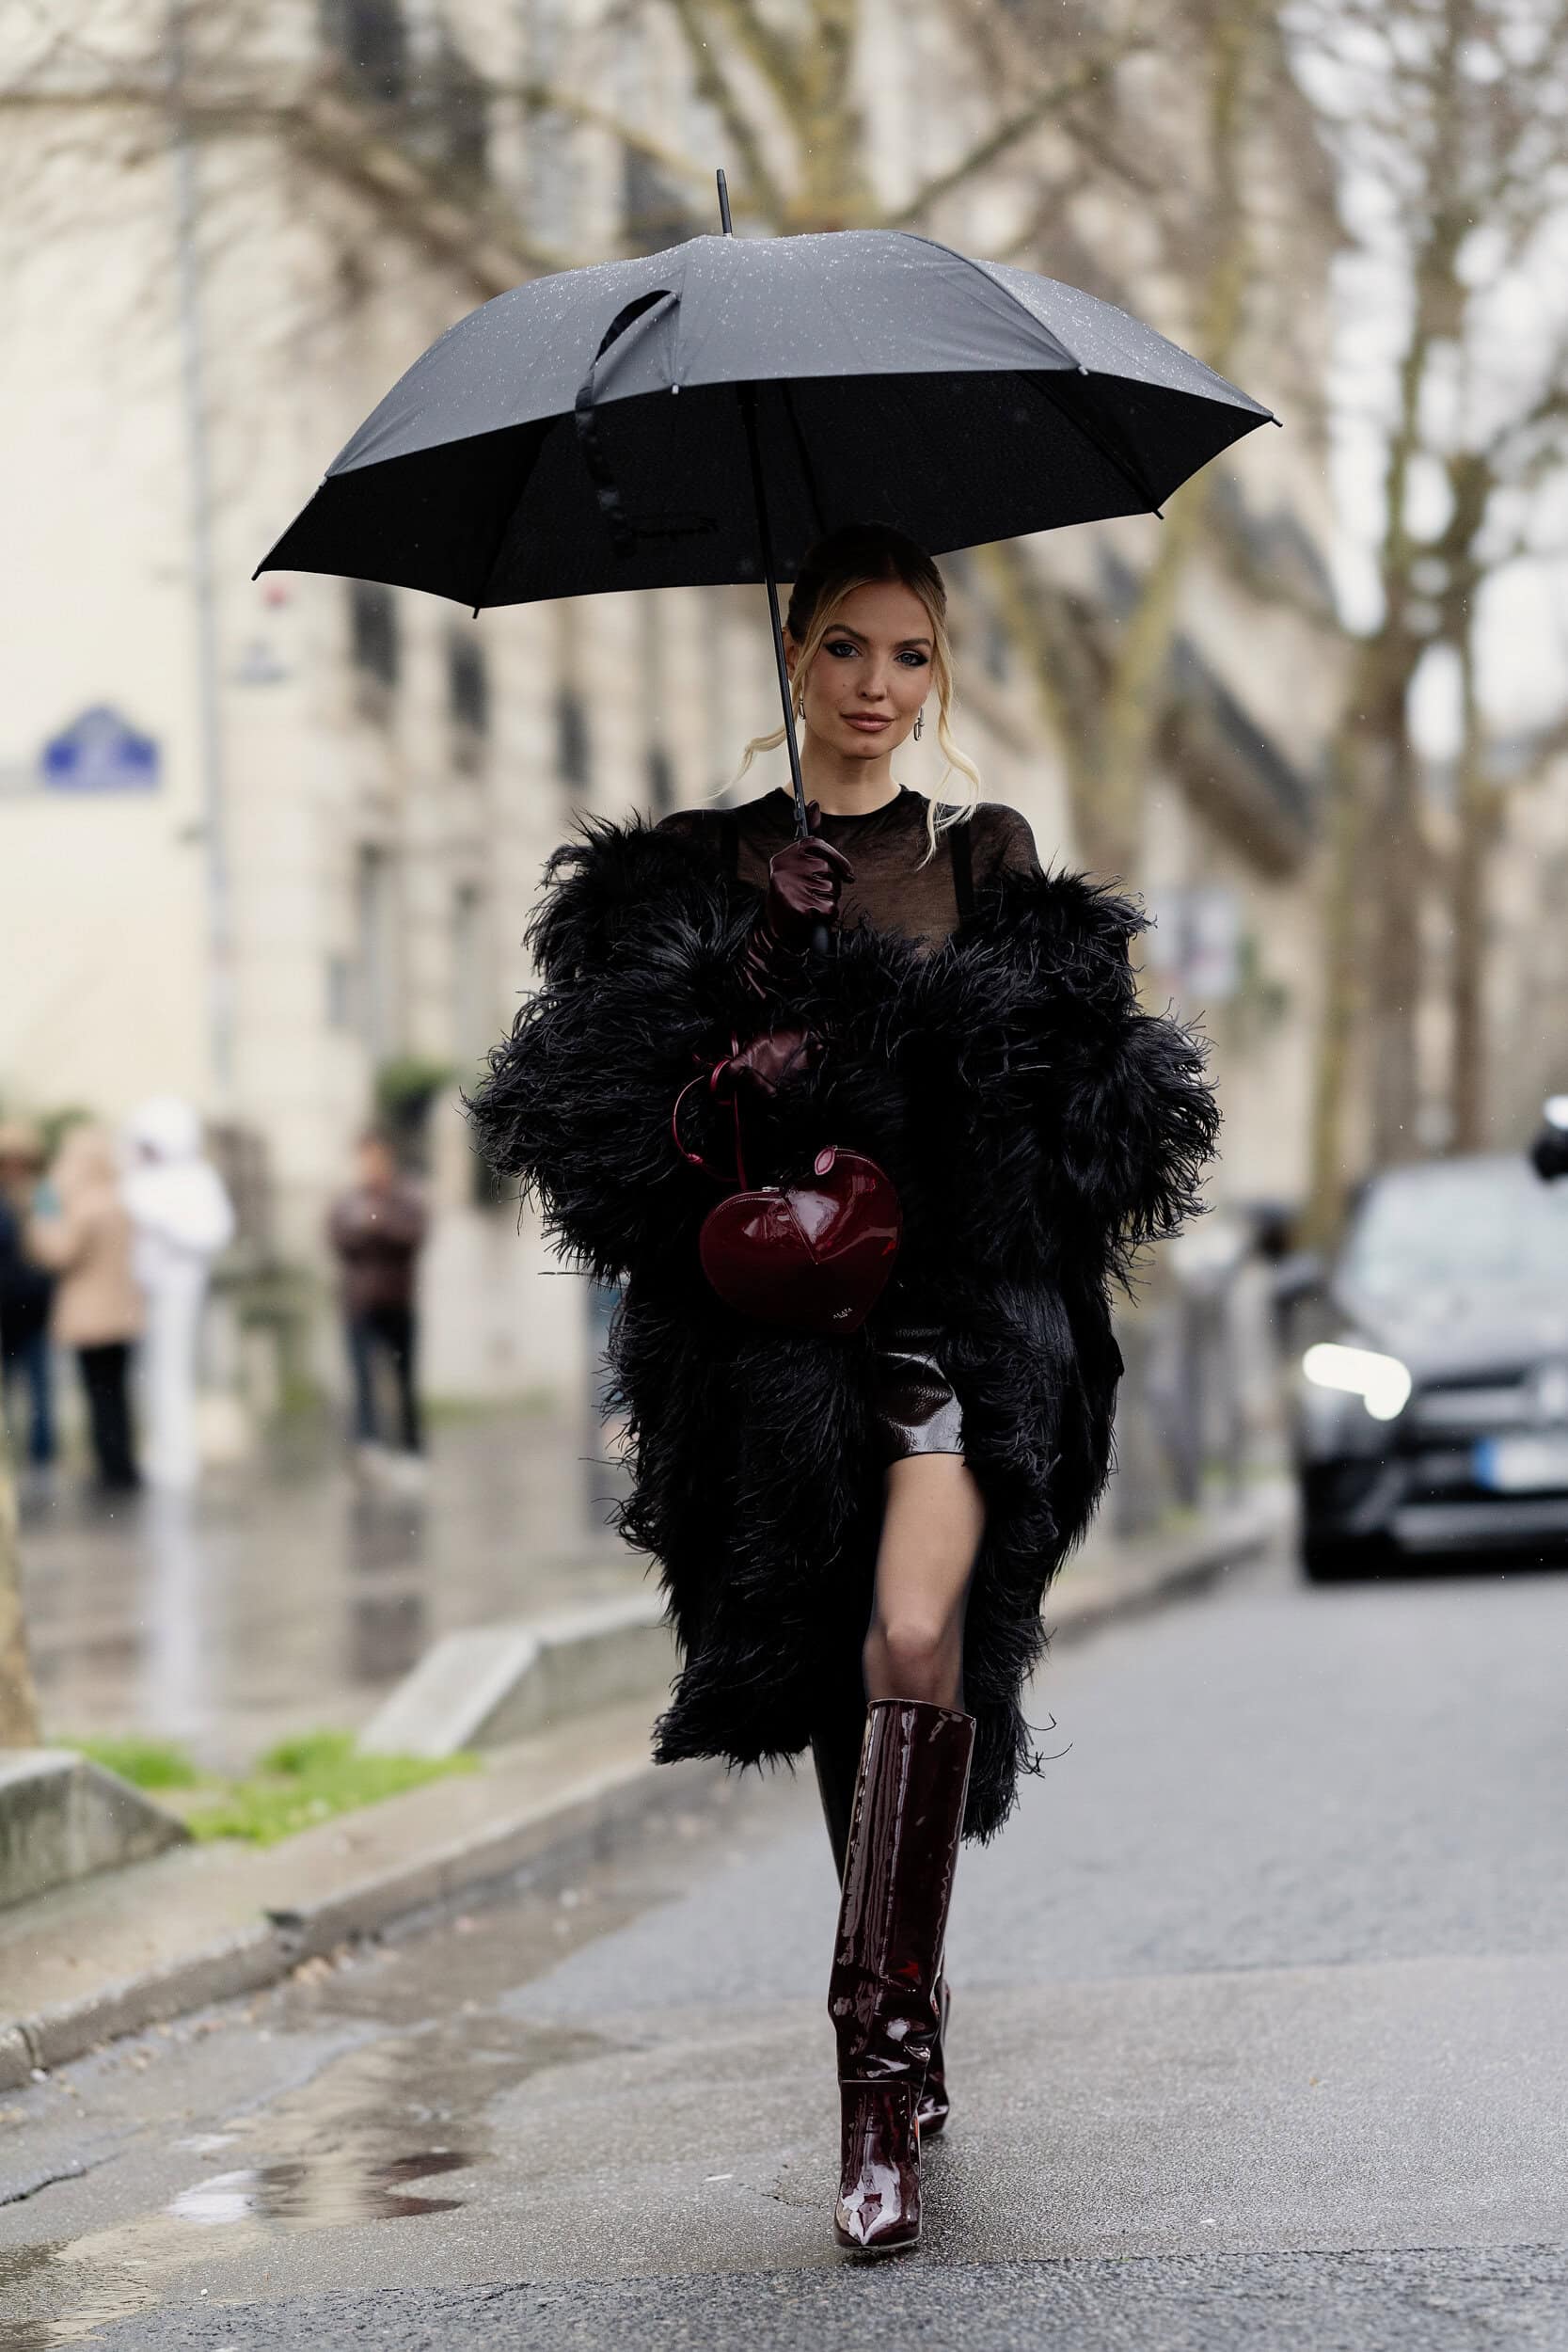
622	532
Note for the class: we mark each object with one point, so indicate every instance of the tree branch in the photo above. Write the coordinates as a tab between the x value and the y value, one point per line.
780	62
760	191
1092	75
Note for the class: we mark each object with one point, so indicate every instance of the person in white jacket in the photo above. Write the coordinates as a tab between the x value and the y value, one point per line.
183	1218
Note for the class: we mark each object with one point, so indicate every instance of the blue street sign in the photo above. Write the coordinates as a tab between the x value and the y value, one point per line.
100	753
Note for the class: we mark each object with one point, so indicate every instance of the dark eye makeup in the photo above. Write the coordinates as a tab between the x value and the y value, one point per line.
833	644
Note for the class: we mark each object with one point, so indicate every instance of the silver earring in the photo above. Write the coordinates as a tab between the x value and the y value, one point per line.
919	722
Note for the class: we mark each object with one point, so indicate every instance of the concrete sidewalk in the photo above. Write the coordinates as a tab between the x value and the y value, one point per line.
286	1598
115	1953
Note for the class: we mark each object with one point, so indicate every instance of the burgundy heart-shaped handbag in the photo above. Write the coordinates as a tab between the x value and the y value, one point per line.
814	1255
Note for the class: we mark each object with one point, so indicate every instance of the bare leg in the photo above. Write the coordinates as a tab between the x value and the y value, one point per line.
931	1529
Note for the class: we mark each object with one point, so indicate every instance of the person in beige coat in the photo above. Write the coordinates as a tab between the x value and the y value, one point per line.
80	1229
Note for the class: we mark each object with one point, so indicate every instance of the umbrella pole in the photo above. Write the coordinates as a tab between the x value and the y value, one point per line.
748	394
749	410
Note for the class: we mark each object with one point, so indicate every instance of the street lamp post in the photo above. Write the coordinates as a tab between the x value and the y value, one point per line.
220	979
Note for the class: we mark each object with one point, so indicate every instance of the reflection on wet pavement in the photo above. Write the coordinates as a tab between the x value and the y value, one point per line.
336	2188
283	1598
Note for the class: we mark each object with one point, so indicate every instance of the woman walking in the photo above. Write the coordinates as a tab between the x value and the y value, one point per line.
82	1233
855	1529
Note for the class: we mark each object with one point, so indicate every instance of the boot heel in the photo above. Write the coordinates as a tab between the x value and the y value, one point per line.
932	2113
878	2197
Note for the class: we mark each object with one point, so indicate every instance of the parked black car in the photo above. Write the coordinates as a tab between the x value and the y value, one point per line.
1431	1406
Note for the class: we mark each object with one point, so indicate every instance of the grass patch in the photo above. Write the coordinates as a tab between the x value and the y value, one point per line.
297	1784
455	1412
146	1763
307	1780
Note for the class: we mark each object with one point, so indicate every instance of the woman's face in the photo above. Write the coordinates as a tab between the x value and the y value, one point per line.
875	662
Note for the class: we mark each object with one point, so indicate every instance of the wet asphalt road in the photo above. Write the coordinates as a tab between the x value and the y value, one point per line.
1260	2039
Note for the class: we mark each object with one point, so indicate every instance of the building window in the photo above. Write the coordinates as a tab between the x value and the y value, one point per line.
468	685
372	38
470	994
662	781
339	993
376	952
468	699
452	111
472	1017
374	631
571	738
654	213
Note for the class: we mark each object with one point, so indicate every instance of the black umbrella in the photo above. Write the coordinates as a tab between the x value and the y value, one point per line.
701	415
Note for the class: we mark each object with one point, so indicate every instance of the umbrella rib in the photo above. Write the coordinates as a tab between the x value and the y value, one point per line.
1098	440
1129	472
534	435
801	451
1124	465
996	286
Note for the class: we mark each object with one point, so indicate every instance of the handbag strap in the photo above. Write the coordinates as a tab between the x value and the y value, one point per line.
711	1081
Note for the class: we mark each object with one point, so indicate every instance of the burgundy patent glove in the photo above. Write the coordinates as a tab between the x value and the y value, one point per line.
765	1063
804	881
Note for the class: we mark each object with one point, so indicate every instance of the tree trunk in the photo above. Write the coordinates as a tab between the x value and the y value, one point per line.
1138	687
1068	678
1477	837
1138	692
1341	1000
1397	948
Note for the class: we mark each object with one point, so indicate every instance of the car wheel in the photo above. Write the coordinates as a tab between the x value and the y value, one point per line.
1341	1559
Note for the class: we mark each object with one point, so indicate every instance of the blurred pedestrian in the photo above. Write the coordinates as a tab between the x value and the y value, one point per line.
378	1229
25	1290
80	1230
183	1218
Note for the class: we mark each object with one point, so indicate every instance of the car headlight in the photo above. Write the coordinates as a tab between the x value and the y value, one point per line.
1381	1382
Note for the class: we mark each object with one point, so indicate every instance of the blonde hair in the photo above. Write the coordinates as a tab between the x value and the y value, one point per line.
832	568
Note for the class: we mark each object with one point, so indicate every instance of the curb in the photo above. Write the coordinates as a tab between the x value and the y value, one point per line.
255	1957
489	1685
551	1830
64	1818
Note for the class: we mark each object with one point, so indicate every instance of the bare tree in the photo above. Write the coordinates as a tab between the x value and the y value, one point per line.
1108	691
1454	153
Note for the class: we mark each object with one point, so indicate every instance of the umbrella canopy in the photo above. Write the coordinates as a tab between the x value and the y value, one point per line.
583	432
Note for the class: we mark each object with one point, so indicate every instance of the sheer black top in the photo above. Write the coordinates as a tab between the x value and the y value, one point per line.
890	889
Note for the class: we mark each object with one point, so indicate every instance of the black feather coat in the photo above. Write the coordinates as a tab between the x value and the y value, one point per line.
1039	1126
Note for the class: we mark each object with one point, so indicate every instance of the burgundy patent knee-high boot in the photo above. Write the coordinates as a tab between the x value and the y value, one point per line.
835	1748
893	1920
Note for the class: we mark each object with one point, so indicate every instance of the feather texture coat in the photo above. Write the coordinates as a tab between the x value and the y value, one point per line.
1039	1126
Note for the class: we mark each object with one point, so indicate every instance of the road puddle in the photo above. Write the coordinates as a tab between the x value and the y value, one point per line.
362	2141
326	2190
